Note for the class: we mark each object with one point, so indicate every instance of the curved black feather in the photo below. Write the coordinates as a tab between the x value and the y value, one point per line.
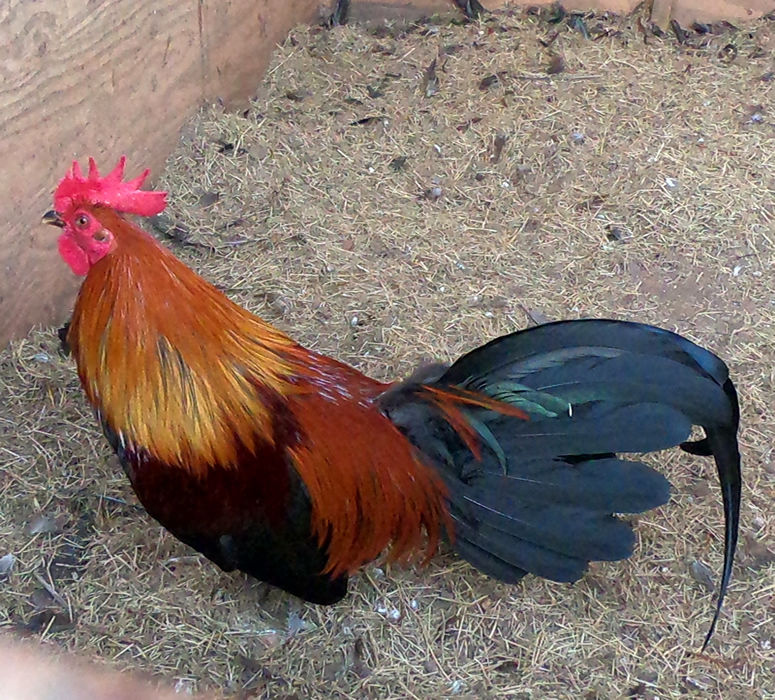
487	562
562	335
605	484
542	497
518	555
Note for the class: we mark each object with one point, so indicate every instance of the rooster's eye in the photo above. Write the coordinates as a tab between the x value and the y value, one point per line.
82	221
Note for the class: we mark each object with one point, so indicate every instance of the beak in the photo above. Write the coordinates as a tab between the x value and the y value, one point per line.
53	219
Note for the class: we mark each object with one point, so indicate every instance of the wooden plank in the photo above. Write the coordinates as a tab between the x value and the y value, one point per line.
79	78
371	10
685	12
239	38
105	77
661	13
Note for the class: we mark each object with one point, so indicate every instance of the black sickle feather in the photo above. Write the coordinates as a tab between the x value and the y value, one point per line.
722	443
544	495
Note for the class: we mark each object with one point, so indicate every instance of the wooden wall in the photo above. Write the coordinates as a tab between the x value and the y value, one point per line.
105	77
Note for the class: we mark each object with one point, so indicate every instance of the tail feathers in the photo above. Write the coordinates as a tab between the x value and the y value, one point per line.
497	554
703	447
576	376
591	428
540	495
723	443
552	517
540	342
605	484
484	560
569	531
578	362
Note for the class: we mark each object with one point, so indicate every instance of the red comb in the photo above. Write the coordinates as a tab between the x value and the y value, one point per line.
109	191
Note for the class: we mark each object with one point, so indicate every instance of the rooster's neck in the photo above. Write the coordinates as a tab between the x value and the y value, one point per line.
173	365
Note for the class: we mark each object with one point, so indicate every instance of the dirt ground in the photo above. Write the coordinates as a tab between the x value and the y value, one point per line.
384	209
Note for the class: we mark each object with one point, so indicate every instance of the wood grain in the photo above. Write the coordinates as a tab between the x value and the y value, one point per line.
105	77
372	10
685	12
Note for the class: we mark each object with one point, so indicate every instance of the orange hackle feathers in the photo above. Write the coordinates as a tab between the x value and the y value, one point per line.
358	468
198	387
179	384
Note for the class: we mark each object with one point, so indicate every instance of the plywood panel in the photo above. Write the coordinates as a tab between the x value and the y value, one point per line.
239	37
71	81
369	10
685	12
104	77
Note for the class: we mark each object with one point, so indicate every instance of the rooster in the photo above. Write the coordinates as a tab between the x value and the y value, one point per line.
297	469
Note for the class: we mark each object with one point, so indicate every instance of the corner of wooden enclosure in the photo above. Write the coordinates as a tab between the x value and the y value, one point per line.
106	77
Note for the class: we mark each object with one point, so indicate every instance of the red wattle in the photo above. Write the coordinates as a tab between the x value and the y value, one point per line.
73	255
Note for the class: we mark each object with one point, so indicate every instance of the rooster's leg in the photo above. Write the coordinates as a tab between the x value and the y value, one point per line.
472	9
340	14
64	346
